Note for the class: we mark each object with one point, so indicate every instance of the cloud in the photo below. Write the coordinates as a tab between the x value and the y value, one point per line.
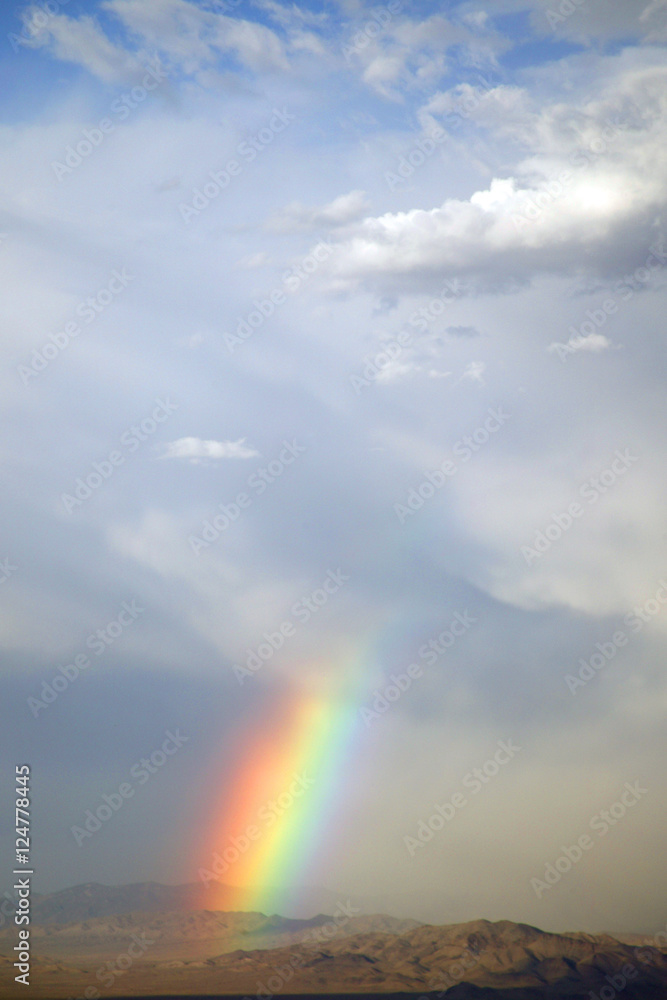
396	370
403	53
585	200
474	371
449	232
590	21
601	21
289	15
594	342
342	210
81	41
196	449
501	108
191	38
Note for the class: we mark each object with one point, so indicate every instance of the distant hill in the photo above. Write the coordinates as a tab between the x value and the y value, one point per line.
92	899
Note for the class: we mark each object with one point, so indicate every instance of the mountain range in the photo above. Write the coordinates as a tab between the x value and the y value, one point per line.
184	951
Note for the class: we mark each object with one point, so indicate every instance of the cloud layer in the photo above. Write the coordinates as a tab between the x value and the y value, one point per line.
414	335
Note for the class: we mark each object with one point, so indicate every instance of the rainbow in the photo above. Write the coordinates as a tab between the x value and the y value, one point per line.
274	815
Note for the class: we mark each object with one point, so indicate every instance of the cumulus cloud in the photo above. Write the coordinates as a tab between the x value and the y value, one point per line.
587	198
195	449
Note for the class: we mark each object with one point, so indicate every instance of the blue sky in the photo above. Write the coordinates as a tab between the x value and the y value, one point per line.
500	168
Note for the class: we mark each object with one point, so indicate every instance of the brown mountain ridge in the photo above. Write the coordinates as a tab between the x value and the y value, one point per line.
478	959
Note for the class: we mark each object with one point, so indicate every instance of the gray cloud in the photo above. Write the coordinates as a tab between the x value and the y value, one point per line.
454	250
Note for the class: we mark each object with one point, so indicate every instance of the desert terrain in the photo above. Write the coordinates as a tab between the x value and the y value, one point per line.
189	952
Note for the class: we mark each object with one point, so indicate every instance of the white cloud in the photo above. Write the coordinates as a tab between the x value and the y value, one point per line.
306	41
196	449
289	15
81	41
474	371
587	196
594	342
342	210
253	260
384	70
192	38
407	51
396	370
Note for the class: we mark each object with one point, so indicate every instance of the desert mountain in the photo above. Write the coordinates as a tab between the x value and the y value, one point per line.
478	960
191	934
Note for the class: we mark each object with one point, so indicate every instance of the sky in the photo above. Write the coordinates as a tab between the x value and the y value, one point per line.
333	353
